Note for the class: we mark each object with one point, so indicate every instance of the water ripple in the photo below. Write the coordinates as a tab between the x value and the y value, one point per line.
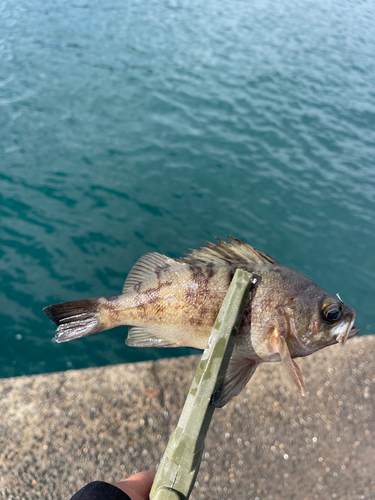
125	130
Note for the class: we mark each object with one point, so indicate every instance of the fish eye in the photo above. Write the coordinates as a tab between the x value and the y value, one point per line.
331	312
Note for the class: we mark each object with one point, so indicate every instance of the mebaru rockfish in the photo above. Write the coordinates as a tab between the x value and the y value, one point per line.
172	303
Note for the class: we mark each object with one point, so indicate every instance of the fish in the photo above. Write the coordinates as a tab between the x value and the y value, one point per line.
170	302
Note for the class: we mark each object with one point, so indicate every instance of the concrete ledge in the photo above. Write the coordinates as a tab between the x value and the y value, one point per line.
62	430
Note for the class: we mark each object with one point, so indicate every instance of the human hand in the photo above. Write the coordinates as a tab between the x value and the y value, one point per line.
137	486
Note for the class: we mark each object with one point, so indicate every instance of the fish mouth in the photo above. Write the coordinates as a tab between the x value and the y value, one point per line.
345	331
353	332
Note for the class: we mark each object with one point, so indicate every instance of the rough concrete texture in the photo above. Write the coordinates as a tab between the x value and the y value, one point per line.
62	430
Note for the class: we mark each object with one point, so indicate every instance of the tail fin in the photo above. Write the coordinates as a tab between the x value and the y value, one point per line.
75	319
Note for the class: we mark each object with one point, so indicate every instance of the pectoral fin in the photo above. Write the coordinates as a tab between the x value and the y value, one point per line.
289	365
239	372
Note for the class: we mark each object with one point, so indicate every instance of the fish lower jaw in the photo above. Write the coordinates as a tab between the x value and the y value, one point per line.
353	332
343	331
341	338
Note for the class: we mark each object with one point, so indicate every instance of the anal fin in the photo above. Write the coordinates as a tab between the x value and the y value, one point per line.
239	372
141	337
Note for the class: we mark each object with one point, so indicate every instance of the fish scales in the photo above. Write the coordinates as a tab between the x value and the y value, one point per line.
168	303
182	301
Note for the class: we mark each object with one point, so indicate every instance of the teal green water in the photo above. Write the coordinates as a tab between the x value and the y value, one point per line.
130	127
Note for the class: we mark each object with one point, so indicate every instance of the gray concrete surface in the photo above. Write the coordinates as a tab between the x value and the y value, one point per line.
59	431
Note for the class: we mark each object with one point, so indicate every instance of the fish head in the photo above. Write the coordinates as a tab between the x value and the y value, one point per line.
336	323
315	318
327	321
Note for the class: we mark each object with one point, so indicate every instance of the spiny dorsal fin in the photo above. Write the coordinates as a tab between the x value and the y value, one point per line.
235	250
239	372
142	337
148	265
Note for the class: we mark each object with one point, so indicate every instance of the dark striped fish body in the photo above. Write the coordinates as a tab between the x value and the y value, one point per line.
170	303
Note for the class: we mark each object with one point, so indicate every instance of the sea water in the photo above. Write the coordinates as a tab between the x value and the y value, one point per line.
129	127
